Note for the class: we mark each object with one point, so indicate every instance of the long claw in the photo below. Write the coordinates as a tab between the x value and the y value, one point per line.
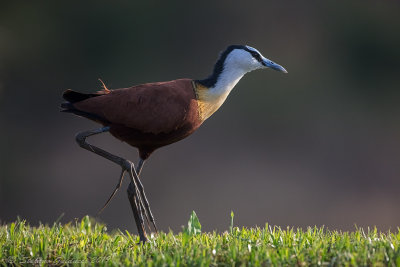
142	210
121	178
146	215
139	186
132	196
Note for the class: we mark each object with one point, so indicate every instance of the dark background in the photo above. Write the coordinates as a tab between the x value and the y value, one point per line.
318	146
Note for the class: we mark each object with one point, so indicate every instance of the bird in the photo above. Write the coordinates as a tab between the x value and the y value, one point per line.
152	115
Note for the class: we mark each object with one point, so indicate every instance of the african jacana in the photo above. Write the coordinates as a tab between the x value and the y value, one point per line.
152	115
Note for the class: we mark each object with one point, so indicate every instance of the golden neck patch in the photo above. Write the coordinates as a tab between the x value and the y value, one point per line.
207	101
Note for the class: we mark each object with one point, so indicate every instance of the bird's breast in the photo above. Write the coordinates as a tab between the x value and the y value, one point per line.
208	102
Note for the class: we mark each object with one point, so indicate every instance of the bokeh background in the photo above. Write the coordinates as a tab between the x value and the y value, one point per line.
319	146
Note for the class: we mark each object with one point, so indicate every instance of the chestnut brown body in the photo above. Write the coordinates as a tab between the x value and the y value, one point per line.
146	116
152	115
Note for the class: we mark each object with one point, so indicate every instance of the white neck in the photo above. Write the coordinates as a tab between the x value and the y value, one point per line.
211	99
229	77
236	64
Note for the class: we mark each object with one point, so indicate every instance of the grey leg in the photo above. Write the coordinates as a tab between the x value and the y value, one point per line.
143	195
134	197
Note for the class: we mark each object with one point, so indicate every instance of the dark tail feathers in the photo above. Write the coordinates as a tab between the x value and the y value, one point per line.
73	97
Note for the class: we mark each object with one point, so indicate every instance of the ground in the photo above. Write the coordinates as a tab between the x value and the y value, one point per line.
88	242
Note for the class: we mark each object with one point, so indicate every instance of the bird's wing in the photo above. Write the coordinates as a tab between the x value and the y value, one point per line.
150	108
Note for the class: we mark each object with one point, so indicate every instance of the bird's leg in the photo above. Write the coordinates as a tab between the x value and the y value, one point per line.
115	191
126	165
142	207
134	194
142	193
137	211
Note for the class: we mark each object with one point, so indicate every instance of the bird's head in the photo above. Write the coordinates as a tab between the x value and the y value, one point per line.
248	59
234	62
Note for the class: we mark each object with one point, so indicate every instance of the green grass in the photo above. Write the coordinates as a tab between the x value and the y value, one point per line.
89	242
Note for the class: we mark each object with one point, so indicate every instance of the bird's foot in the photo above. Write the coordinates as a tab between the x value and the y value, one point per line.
144	206
137	197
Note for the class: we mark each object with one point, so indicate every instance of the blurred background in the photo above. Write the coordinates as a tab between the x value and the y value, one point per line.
318	146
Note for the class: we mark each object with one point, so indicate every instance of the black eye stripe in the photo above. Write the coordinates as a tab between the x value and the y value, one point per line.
256	56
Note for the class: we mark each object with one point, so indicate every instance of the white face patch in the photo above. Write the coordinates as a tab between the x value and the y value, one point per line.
237	63
258	52
243	60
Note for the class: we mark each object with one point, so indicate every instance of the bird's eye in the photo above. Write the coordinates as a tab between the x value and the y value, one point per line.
256	56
